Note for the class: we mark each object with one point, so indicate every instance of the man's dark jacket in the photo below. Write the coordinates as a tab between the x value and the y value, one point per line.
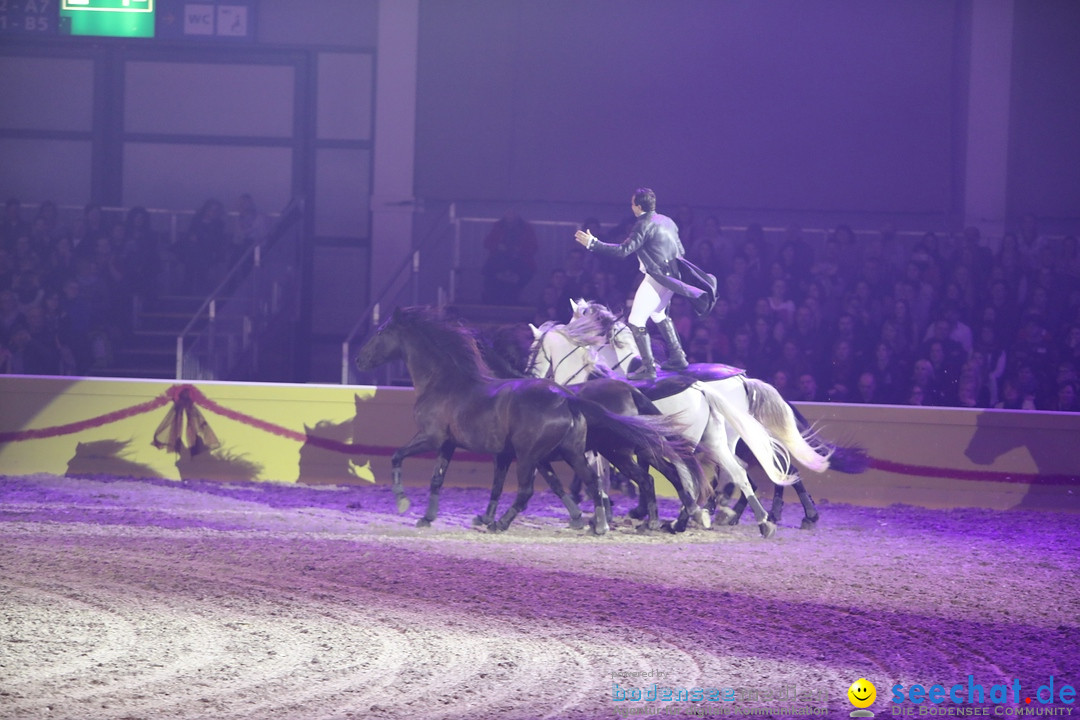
655	239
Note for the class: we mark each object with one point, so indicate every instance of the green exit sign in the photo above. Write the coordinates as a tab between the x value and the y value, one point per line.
108	18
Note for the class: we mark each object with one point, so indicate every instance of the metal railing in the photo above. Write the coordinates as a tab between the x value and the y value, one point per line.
446	268
222	339
424	276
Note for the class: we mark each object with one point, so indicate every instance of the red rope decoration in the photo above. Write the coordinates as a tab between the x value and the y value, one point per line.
184	397
75	427
984	475
324	443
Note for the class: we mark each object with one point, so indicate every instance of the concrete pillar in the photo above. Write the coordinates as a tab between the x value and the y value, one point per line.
395	138
989	86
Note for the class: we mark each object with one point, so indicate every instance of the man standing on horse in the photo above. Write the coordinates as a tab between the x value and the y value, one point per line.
655	239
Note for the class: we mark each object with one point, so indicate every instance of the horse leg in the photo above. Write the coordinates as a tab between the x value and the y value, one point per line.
811	517
737	472
575	488
685	489
502	466
576	522
418	444
646	504
739	508
601	503
639	475
776	510
767	526
445	453
526	475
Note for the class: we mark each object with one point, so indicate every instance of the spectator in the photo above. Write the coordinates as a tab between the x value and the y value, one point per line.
1031	242
783	386
10	314
29	356
91	227
740	349
840	373
792	361
1012	398
48	216
250	228
142	258
781	305
887	374
203	248
511	246
807	389
916	395
924	377
867	389
701	348
1065	399
13	226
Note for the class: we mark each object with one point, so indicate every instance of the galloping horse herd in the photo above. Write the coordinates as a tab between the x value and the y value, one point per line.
570	400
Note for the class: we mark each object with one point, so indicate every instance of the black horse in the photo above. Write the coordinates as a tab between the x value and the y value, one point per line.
459	404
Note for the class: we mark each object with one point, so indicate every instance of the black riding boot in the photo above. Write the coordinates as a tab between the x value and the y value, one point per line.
647	371
676	357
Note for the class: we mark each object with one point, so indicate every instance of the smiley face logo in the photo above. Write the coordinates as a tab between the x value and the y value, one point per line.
862	693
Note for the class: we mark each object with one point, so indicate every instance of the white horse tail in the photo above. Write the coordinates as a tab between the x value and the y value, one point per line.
770	452
772	411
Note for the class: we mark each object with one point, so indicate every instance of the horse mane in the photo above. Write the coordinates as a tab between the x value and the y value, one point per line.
449	343
599	322
594	364
592	329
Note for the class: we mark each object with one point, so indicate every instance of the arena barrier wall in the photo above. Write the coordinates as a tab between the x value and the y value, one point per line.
334	434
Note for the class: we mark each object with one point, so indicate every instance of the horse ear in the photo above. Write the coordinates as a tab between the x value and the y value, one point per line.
573	305
535	331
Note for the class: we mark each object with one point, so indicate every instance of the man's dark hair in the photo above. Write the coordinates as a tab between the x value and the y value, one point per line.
645	199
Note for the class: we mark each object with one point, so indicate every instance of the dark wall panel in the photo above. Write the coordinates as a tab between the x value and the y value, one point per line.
782	105
1044	143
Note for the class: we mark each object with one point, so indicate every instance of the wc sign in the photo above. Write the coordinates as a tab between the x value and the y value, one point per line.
213	20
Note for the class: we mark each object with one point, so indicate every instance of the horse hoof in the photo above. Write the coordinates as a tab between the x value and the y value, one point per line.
577	523
726	516
480	521
600	529
637	513
809	523
768	529
423	523
703	519
496	527
403	505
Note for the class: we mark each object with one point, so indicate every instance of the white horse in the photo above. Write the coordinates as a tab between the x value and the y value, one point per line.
711	422
596	324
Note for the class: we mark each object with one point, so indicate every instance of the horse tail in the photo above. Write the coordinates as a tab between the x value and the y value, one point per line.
771	452
850	459
771	410
657	439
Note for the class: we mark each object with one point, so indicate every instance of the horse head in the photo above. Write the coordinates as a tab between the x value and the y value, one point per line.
556	354
598	326
384	346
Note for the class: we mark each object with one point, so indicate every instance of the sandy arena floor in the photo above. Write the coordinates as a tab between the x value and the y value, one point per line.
127	599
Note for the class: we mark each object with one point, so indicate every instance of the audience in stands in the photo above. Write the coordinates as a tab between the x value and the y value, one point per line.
67	291
944	322
947	322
